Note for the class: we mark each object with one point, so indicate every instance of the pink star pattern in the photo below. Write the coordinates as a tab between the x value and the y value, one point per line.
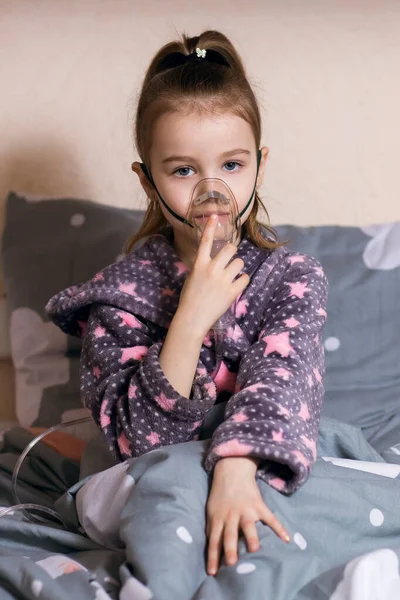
317	375
153	438
98	277
277	436
132	391
234	333
166	404
129	320
284	411
291	323
304	413
145	262
96	372
298	289
239	417
241	308
128	288
322	312
296	259
135	352
284	373
182	268
99	331
104	418
211	389
278	342
207	340
319	271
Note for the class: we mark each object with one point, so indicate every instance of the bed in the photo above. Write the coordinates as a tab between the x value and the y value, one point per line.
136	529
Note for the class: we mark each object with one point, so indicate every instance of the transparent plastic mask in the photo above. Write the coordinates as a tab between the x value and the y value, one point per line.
213	195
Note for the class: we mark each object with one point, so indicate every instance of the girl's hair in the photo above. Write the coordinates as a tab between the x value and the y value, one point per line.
204	86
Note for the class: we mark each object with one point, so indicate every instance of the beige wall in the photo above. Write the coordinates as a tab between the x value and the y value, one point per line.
326	74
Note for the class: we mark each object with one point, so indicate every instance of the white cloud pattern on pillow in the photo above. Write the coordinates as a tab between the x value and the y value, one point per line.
38	350
373	576
383	251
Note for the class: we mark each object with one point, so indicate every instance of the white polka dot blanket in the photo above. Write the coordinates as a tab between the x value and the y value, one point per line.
142	532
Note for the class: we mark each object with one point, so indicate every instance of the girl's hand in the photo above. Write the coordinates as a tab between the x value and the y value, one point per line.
235	502
209	289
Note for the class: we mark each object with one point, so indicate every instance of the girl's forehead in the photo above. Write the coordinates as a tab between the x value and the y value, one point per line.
199	120
175	132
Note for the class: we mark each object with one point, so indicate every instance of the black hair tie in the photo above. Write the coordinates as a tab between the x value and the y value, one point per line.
175	59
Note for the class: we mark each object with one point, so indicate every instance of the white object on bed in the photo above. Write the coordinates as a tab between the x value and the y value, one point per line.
378	468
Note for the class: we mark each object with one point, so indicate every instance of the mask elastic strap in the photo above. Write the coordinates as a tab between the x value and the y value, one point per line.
149	177
181	219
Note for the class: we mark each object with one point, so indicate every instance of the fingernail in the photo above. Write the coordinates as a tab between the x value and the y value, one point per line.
214	216
286	538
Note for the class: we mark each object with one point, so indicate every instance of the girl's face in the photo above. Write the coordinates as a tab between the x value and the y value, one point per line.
189	147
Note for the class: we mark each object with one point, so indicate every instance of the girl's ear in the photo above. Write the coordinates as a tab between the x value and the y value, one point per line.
264	156
145	183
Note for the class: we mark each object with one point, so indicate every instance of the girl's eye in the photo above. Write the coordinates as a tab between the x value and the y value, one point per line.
186	169
233	162
182	169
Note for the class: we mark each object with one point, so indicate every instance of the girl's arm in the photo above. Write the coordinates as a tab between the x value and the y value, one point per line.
123	383
274	413
180	353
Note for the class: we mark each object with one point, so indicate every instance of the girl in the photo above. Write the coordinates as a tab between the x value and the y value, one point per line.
146	321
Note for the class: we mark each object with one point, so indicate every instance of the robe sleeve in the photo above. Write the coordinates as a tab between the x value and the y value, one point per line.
275	411
124	387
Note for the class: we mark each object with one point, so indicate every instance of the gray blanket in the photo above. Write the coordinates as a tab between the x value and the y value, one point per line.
137	530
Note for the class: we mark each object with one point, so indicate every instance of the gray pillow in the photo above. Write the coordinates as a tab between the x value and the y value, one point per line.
47	246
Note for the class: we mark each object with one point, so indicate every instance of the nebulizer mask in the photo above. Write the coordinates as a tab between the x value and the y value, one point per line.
209	195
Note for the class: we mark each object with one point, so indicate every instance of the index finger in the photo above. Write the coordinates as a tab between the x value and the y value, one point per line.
207	238
270	519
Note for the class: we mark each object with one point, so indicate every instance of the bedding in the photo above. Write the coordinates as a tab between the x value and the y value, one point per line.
137	529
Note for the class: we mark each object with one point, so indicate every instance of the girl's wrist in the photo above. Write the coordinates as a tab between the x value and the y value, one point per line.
190	325
237	463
